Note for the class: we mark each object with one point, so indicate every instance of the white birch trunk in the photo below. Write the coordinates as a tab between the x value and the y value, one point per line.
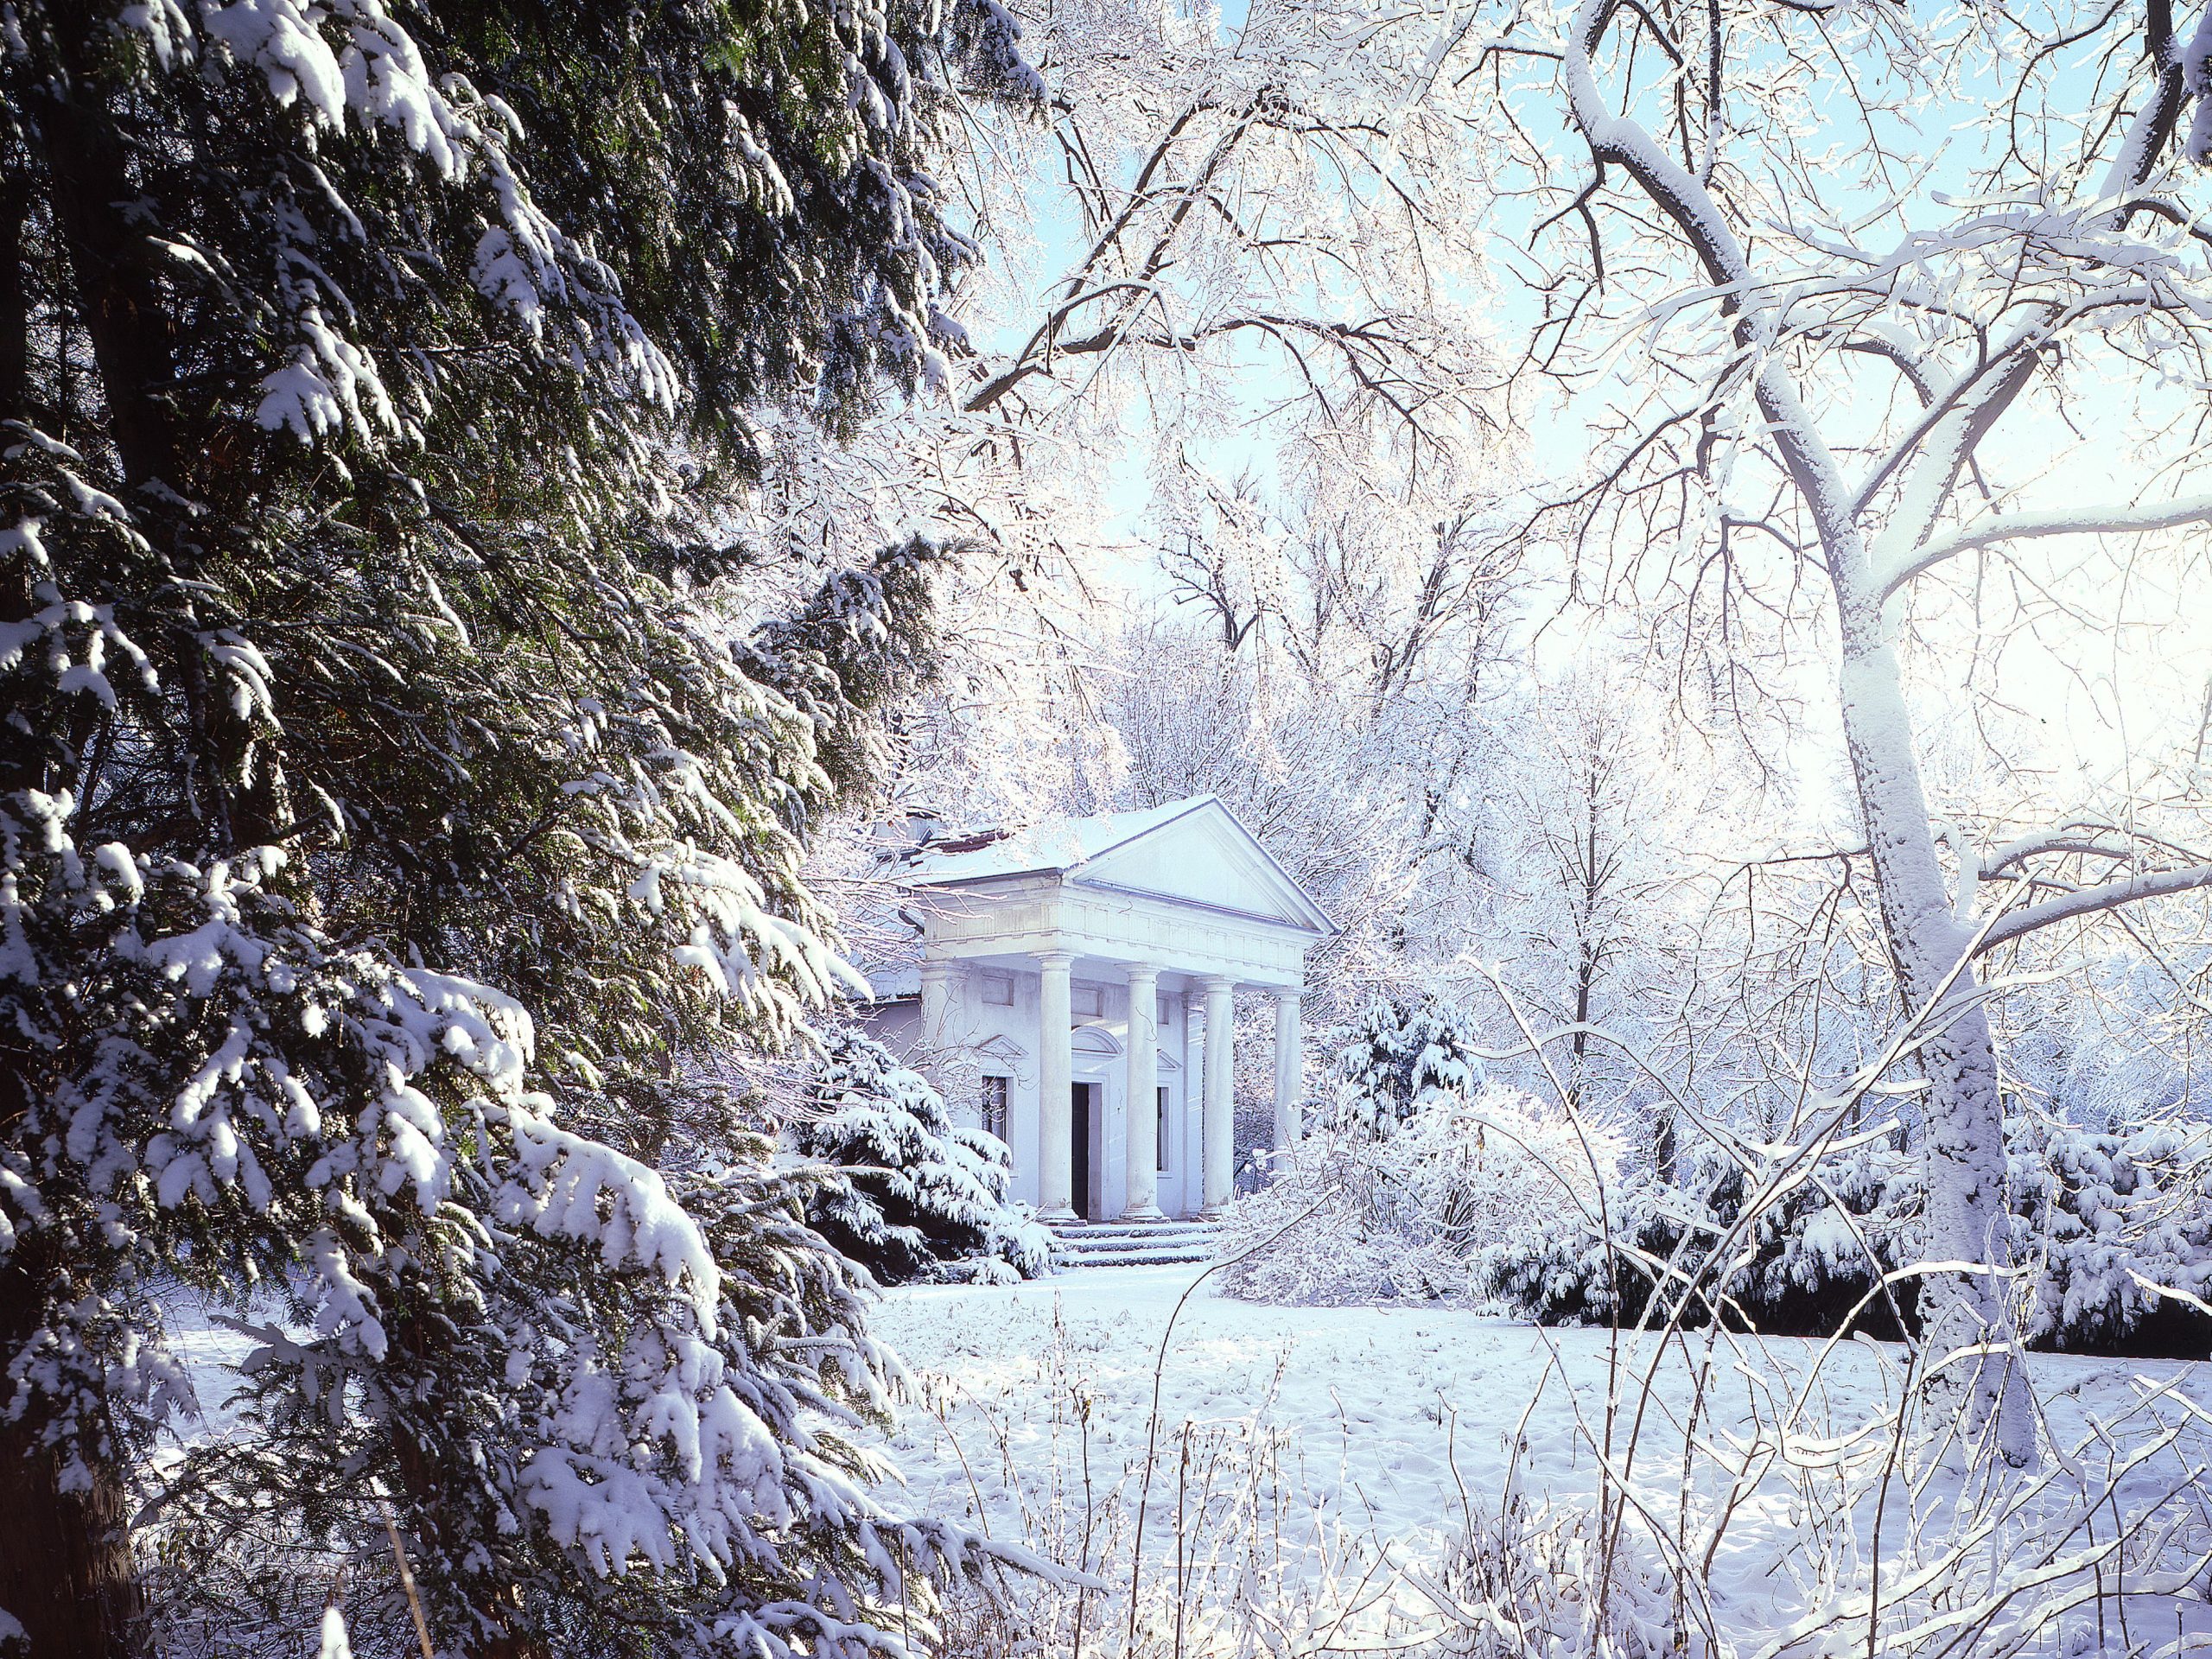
1963	1126
1963	1136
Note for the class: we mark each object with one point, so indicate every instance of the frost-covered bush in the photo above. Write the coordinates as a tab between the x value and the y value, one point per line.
2104	1217
1539	1578
1351	1217
1399	1058
1803	1269
2097	1219
916	1196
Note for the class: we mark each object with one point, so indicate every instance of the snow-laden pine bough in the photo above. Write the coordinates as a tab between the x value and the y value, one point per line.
606	1401
366	644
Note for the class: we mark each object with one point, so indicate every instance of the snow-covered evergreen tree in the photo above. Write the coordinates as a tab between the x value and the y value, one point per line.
917	1195
371	377
1401	1058
657	1446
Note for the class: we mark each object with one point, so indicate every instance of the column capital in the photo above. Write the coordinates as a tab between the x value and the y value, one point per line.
1217	983
942	968
1286	992
1052	958
1142	973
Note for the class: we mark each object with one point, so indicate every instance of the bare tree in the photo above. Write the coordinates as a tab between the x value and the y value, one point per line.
1847	359
1588	797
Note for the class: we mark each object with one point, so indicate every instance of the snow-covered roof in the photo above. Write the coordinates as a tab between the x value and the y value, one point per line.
895	982
1192	853
1061	844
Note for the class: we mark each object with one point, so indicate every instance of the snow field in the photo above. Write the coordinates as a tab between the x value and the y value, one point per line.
1317	1472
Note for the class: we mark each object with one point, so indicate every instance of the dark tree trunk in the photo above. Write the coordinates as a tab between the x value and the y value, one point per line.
126	315
65	1572
117	301
448	1530
15	288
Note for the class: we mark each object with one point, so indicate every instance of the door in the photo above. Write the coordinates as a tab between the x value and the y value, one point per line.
1079	1108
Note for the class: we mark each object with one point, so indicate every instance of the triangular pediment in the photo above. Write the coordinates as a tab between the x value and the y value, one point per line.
1205	856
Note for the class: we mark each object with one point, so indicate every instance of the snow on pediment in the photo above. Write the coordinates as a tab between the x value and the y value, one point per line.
1191	852
1093	1039
1203	855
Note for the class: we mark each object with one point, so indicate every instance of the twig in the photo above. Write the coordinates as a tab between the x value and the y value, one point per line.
407	1580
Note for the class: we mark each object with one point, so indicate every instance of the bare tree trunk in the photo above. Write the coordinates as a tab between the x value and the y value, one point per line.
1665	1155
15	289
1966	1312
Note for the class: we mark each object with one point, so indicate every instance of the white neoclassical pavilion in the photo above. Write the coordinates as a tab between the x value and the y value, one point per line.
1072	973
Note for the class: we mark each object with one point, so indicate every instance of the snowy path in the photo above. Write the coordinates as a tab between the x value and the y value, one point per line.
1387	1422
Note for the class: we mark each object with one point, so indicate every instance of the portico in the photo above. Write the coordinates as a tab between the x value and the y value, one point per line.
1077	994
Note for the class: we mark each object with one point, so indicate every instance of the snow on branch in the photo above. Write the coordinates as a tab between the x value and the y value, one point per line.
2091	900
2075	521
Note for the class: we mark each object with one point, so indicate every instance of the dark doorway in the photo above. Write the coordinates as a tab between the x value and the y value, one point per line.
1079	1108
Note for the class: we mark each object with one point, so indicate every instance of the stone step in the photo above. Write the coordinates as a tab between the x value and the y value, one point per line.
1124	1225
1083	1260
1135	1243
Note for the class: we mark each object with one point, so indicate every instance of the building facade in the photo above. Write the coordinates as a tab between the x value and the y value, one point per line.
1076	995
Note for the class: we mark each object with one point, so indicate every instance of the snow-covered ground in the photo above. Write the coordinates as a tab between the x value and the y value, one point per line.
1310	1442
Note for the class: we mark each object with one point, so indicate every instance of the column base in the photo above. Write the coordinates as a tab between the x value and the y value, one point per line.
1060	1213
1144	1212
1216	1211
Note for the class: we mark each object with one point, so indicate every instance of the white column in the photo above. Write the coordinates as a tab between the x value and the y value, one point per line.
1141	1114
1190	1116
1290	1070
1055	1101
1221	1085
938	985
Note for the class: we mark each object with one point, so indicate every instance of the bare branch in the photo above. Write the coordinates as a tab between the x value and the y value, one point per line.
2089	901
2079	521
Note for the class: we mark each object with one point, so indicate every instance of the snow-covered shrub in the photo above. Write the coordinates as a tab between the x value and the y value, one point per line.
1537	1578
658	1382
2097	1219
916	1196
1352	1217
2104	1217
1398	1059
1802	1267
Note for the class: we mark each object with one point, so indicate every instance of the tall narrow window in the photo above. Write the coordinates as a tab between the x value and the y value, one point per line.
994	1105
1159	1128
